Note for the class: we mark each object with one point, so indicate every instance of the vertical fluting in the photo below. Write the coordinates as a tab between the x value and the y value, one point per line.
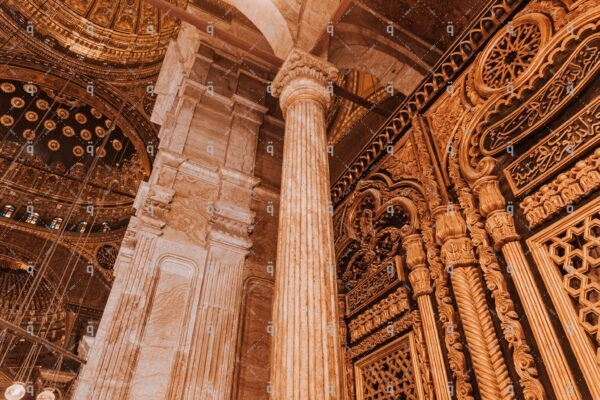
434	348
305	358
209	373
549	344
113	353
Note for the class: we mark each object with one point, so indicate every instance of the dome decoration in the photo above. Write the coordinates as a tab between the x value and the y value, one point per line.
69	126
44	313
122	31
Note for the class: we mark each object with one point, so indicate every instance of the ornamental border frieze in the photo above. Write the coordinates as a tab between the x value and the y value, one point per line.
382	335
381	312
564	191
460	55
373	286
562	146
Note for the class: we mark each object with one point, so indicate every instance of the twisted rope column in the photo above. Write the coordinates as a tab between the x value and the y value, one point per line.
459	259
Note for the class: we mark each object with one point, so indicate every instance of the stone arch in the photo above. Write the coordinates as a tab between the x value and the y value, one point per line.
270	21
368	51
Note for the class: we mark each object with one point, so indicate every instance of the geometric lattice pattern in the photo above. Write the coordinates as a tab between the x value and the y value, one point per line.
390	377
576	252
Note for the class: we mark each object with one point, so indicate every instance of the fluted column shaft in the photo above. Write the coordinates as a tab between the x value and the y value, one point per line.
420	280
210	369
105	375
305	360
500	225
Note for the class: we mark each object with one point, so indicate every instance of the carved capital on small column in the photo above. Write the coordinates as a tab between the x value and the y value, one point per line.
499	223
415	260
153	202
451	233
304	76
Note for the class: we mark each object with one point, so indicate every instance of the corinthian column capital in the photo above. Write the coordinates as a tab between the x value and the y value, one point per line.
304	75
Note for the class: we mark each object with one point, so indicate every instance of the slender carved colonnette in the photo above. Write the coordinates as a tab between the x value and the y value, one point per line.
433	196
511	326
457	253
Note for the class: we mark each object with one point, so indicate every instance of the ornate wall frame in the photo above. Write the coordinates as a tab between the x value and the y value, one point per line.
408	340
546	259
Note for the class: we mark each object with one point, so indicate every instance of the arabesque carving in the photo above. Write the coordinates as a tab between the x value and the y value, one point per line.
390	307
568	188
552	152
512	329
524	113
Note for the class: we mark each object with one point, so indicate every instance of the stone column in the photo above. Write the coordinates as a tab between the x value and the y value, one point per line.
420	281
305	361
459	259
500	225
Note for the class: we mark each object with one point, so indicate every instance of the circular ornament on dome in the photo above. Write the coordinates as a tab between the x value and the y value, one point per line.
78	151
7	87
507	58
106	255
62	113
117	145
53	145
50	125
97	114
101	151
7	120
29	88
42	104
86	135
68	131
29	134
17	102
31	116
100	131
79	117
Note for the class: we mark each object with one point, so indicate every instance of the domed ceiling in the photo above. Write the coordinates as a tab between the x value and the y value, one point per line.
120	31
62	129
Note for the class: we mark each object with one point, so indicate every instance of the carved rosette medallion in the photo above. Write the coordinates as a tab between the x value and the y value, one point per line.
510	54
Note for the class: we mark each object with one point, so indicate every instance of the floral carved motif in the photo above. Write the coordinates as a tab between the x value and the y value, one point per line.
382	335
390	307
524	115
370	287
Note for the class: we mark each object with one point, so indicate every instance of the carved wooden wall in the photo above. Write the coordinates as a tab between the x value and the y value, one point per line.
478	234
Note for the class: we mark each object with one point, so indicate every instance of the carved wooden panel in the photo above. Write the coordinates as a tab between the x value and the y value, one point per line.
564	145
568	256
563	191
390	373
